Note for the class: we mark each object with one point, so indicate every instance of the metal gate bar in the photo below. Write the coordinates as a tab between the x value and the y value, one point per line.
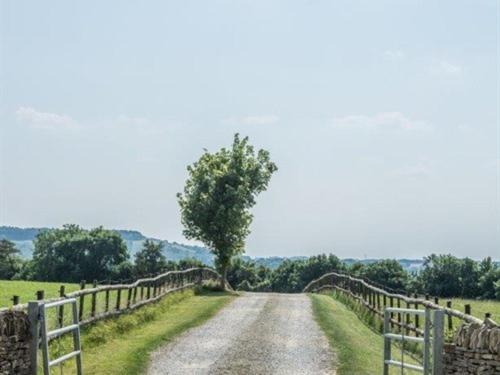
437	341
48	335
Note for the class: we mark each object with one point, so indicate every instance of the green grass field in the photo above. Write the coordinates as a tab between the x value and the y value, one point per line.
478	308
122	346
26	290
358	348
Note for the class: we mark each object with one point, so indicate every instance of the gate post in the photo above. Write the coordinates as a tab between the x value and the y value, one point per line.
33	316
437	347
427	331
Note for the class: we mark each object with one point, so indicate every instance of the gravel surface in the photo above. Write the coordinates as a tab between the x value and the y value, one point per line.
257	333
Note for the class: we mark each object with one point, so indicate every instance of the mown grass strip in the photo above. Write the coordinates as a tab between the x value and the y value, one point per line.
122	345
359	349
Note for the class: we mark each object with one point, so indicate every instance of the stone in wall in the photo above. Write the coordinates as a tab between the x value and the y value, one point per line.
475	350
14	343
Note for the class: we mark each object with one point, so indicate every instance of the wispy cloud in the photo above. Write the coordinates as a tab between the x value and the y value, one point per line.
131	120
45	120
394	55
446	68
383	120
253	120
422	168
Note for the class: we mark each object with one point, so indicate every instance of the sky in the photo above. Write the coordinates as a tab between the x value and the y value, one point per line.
382	116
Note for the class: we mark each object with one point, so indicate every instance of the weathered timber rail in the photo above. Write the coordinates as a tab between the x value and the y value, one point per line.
375	300
100	302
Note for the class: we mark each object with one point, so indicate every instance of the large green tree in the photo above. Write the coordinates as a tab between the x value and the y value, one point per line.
387	272
442	275
72	254
150	259
221	189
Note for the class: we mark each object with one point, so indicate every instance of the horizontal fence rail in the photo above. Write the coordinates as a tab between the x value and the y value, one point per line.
376	299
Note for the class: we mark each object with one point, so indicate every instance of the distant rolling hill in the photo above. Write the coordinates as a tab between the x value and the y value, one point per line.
23	238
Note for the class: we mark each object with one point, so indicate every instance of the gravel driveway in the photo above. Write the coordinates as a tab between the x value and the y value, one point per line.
257	333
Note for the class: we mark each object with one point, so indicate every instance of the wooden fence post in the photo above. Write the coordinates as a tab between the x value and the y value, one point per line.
61	308
129	297
106	301
40	295
118	298
94	297
134	298
80	311
450	318
467	309
15	300
399	314
417	318
391	301
408	319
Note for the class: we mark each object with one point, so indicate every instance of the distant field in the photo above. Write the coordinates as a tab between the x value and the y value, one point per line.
27	290
478	308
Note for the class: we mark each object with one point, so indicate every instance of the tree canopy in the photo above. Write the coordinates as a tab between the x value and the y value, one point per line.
73	254
219	192
150	259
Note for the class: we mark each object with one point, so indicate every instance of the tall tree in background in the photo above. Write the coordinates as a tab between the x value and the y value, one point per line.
73	254
150	259
387	272
221	189
10	262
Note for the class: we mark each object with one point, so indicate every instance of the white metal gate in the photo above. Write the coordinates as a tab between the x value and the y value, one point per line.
38	317
431	364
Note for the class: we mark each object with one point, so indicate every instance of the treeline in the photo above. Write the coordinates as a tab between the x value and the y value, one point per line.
72	254
442	275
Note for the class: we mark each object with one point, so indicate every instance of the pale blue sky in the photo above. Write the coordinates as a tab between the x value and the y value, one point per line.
381	115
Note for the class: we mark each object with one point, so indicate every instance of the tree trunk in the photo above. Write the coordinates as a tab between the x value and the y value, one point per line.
223	278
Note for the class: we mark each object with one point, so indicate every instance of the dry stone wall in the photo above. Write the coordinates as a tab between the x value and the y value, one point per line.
14	343
475	350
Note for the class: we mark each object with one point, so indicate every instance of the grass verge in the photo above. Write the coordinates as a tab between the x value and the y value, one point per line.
359	349
122	345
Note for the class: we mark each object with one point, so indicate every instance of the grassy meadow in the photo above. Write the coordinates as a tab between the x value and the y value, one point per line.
478	307
26	290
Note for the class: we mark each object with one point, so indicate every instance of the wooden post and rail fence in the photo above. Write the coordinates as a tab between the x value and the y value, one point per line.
98	302
375	299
